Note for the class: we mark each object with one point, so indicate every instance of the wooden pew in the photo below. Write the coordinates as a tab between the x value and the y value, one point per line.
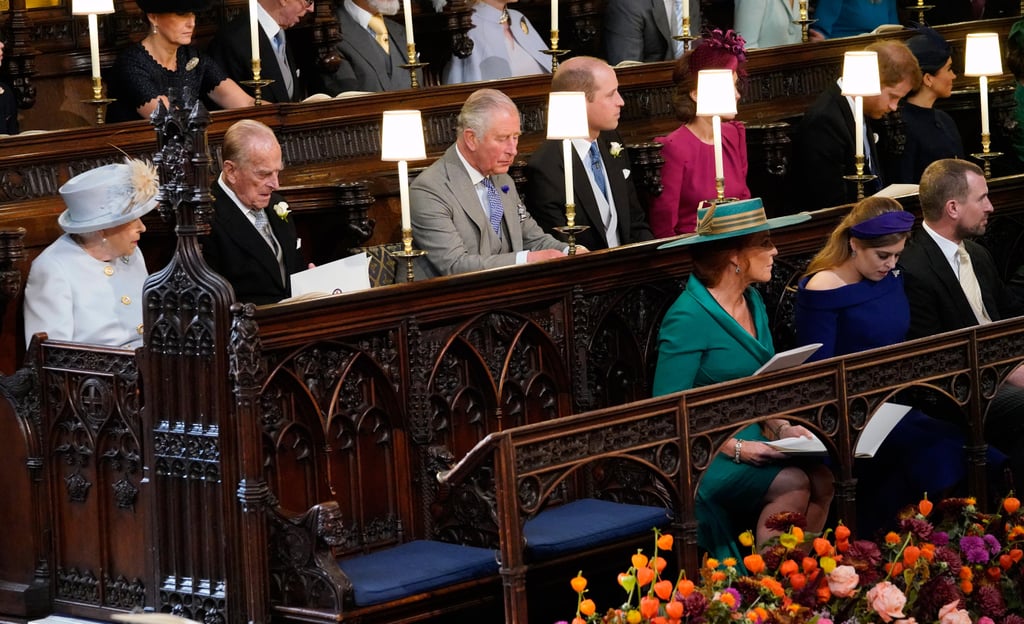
452	360
676	436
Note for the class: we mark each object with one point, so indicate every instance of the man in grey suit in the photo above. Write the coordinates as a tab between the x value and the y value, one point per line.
642	30
466	213
366	66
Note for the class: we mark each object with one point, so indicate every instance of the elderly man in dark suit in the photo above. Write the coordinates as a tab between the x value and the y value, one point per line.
824	148
642	30
373	48
252	242
953	283
606	200
231	47
466	213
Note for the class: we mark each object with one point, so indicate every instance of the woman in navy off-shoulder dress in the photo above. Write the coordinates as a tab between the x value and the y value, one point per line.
850	300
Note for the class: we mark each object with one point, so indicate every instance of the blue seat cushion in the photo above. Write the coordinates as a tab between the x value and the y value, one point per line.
415	567
587	523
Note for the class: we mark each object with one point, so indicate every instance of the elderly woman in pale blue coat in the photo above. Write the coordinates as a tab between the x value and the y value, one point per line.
505	45
765	23
87	285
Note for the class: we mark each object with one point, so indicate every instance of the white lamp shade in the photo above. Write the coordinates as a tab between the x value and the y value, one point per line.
716	92
402	136
567	115
982	55
860	74
94	7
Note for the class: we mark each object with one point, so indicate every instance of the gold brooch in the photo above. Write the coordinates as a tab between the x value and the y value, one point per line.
192	63
524	25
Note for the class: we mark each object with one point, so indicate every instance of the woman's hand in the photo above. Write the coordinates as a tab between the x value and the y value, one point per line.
794	431
755	453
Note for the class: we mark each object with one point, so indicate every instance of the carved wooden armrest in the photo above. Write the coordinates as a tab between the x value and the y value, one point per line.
326	34
12	251
774	142
303	570
354	201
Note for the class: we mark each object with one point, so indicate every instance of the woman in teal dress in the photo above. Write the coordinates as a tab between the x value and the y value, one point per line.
717	330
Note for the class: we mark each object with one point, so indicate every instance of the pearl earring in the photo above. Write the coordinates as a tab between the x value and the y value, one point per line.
737	269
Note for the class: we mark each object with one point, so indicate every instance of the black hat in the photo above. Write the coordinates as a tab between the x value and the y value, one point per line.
931	50
172	6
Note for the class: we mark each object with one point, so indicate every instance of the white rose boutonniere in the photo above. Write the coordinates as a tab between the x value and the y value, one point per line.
281	210
615	148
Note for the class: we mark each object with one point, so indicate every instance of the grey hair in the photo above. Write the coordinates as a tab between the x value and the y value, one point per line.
476	112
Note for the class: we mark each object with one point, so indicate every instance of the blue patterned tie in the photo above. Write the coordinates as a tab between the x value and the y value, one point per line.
598	168
494	206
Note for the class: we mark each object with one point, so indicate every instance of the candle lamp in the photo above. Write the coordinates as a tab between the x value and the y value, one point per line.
414	63
567	120
92	8
921	8
860	78
981	60
804	22
716	97
257	83
553	51
402	141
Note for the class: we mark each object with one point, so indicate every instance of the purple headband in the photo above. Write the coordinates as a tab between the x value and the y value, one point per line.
886	223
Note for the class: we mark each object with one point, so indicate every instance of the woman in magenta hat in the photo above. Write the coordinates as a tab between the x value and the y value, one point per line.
87	285
164	61
688	175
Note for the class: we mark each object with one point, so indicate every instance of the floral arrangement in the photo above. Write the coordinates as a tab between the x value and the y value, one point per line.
281	209
946	562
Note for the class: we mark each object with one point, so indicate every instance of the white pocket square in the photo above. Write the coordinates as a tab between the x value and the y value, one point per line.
625	173
298	243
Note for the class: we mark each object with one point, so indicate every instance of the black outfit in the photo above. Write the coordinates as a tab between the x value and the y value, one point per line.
230	48
931	135
137	78
937	305
236	250
937	302
545	194
8	110
824	151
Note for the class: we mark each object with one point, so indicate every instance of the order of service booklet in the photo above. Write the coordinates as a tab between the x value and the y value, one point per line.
885	418
786	359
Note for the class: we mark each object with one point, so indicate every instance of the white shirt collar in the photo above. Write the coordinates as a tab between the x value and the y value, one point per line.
358	14
231	194
474	176
270	27
946	246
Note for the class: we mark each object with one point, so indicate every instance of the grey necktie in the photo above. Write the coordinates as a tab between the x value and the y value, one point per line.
281	52
263	227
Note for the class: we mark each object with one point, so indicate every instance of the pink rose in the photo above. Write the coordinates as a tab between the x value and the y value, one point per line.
887	601
843	581
949	614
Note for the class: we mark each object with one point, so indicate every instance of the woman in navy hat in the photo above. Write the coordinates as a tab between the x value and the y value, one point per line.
930	133
87	285
717	330
851	299
688	174
165	60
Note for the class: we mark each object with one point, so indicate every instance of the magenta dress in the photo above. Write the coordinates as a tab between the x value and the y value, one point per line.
688	177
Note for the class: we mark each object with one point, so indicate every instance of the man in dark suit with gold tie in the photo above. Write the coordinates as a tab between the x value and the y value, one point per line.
252	242
373	47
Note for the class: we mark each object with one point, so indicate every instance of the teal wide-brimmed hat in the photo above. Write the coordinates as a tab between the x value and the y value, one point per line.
731	219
